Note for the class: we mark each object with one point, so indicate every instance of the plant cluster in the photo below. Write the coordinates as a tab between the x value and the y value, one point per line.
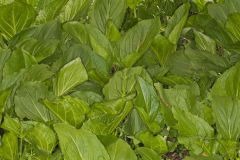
119	79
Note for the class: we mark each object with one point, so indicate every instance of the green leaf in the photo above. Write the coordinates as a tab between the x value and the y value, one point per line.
105	10
9	147
4	55
12	125
96	66
204	42
68	109
123	82
40	49
176	23
136	41
77	31
195	133
70	75
4	94
117	148
134	124
79	144
99	42
225	103
47	11
102	122
15	17
228	84
27	102
157	143
191	62
232	25
147	153
163	48
39	72
42	137
112	32
74	9
148	104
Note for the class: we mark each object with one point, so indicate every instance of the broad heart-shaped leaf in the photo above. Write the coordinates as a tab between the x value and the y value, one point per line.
11	125
40	49
147	153
136	41
134	123
148	104
77	30
99	42
226	111
233	25
105	10
39	72
74	9
204	43
70	75
195	133
163	48
89	34
117	148
42	137
221	11
68	109
47	11
104	122
9	147
176	23
79	144
97	67
27	102
226	104
157	143
191	62
213	29
15	17
228	84
123	82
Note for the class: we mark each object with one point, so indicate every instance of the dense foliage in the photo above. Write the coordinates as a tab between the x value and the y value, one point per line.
119	79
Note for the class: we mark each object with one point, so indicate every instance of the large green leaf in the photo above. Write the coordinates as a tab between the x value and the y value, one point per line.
136	41
79	144
176	23
226	104
105	10
103	121
27	103
147	153
117	148
15	17
40	49
9	147
123	82
157	143
195	133
148	104
68	109
70	75
42	137
204	42
232	25
163	48
47	11
74	9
